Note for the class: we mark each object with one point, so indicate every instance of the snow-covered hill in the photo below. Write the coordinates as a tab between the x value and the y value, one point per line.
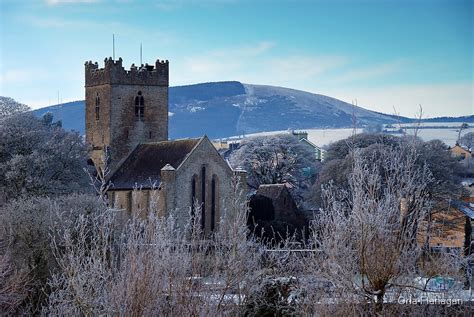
224	109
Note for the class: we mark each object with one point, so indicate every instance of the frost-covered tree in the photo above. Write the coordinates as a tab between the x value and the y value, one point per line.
462	127
9	107
277	159
373	128
39	158
467	164
467	140
27	227
13	286
154	267
341	148
445	169
368	233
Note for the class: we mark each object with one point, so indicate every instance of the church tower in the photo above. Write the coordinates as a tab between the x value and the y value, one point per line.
124	108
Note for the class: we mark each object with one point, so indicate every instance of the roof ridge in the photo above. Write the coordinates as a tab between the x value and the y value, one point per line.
148	158
169	141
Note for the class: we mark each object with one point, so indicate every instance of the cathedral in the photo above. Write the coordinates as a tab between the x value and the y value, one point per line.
127	136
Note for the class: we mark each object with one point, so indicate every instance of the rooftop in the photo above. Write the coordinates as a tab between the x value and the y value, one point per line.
142	167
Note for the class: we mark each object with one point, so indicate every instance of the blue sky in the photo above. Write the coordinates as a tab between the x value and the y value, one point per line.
384	54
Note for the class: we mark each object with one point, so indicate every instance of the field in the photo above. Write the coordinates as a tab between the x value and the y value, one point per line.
444	131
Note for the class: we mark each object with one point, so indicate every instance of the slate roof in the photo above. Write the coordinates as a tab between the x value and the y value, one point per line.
462	207
310	143
144	163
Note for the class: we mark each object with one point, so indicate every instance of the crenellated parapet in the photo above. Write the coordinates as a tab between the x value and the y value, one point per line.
114	73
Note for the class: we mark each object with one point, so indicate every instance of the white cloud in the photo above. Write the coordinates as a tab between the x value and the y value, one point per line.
301	67
330	75
252	64
52	22
55	22
14	76
241	51
122	31
370	72
245	51
169	5
55	2
217	65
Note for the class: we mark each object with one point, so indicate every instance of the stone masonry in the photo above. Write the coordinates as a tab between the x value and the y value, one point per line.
111	115
127	116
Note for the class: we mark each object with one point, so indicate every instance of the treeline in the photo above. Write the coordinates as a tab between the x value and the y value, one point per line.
65	251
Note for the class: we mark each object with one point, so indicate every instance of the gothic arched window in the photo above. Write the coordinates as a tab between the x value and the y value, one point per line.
193	195
203	198
214	188
139	107
97	107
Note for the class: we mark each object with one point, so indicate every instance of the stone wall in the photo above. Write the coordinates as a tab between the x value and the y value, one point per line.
98	131
114	73
126	130
204	155
174	194
138	201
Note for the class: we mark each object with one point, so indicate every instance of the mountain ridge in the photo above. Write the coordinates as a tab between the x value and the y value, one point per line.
223	109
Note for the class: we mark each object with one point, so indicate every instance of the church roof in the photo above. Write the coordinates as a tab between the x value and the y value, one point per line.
143	165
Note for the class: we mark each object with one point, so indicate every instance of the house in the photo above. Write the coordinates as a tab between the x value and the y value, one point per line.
303	138
451	227
221	146
461	152
231	147
127	135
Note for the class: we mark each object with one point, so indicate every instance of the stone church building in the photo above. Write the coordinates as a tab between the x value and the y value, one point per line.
127	118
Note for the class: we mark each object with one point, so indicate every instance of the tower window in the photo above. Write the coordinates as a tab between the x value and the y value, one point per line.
97	107
139	106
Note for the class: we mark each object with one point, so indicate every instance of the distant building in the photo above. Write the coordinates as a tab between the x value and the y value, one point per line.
231	147
220	145
127	119
274	210
461	152
451	227
303	138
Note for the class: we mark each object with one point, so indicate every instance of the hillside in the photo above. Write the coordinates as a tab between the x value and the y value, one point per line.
70	113
230	108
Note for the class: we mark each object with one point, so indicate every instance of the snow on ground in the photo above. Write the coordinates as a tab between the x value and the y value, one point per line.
321	137
448	136
454	125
